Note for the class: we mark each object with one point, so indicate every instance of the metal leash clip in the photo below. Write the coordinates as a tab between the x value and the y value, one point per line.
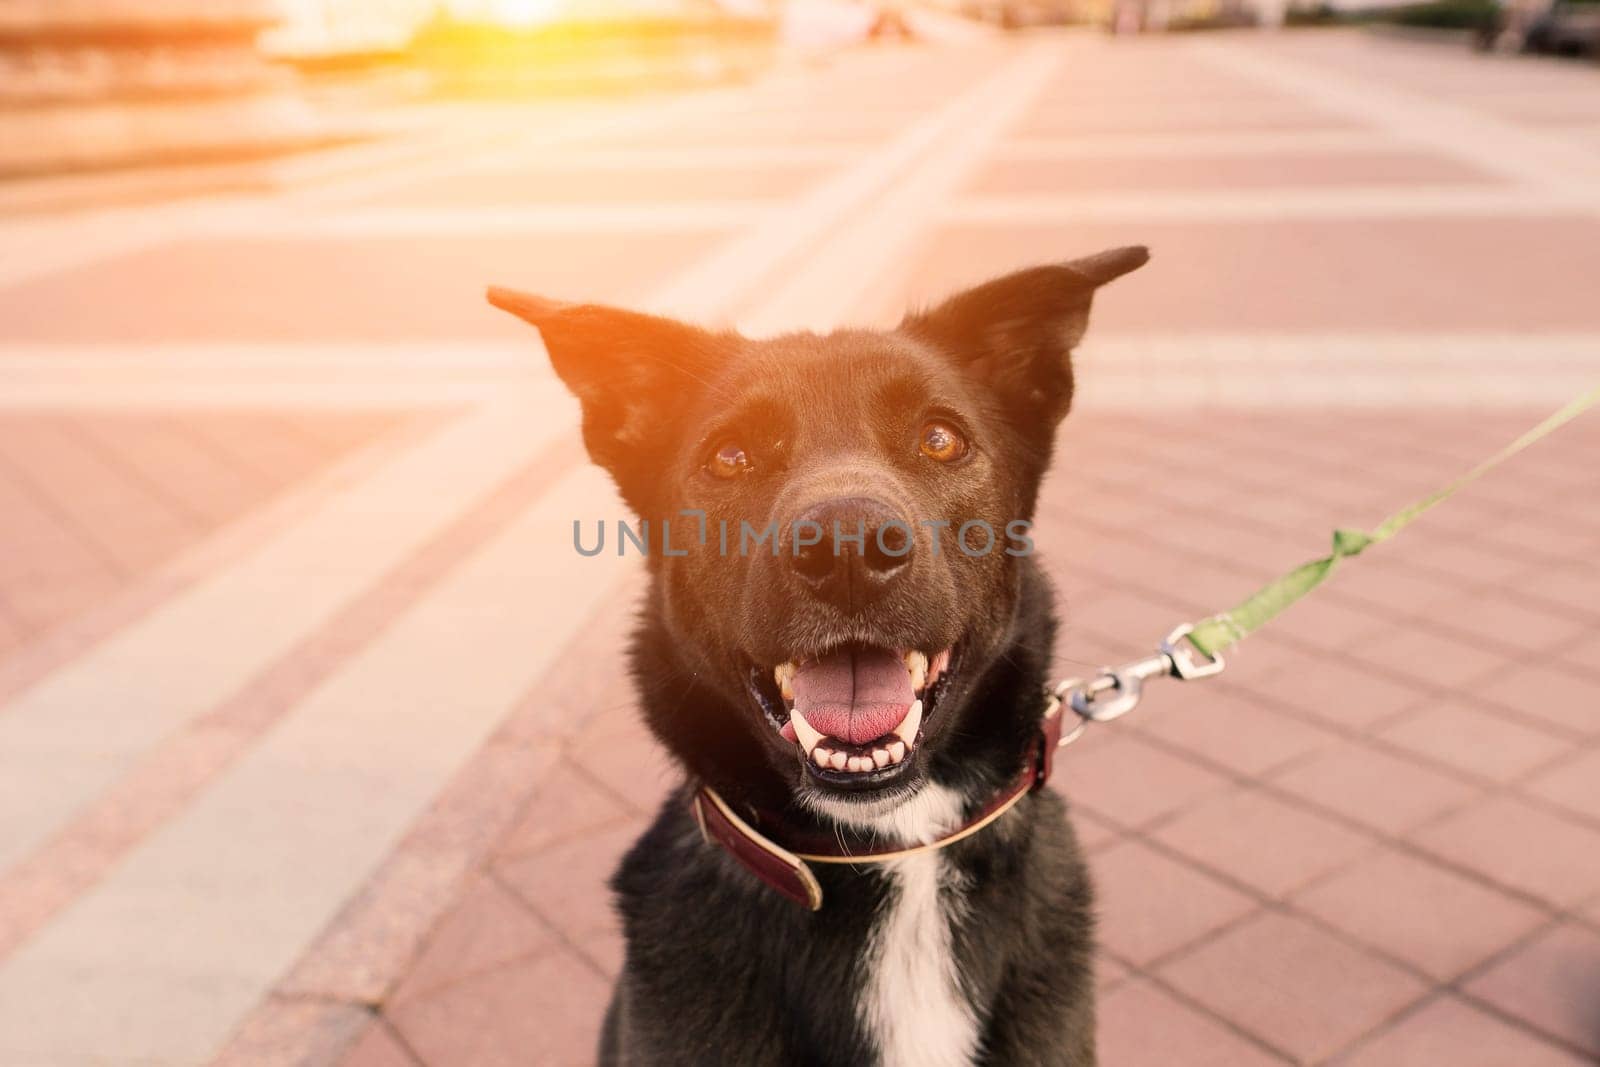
1115	691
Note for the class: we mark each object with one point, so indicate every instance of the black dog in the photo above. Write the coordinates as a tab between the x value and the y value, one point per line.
846	649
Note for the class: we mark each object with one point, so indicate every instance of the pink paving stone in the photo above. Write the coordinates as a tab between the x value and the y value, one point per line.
604	948
1301	990
1093	832
594	185
1550	983
379	1047
1261	841
545	1010
1477	742
1328	622
567	804
1200	171
1387	792
1220	726
1550	691
1141	1025
487	928
1108	973
1151	905
1511	842
91	511
567	883
294	1032
1475	561
1583	656
1492	619
632	765
1430	658
1574	584
1574	784
1130	782
1210	276
1449	1031
1393	590
402	295
1407	907
163	451
1127	617
1334	689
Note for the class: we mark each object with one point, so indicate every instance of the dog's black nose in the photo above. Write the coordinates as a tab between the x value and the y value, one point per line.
848	551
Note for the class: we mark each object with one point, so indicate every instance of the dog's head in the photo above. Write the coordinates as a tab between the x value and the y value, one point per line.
851	512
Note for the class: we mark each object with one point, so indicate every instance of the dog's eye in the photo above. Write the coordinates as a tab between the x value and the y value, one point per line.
728	461
942	442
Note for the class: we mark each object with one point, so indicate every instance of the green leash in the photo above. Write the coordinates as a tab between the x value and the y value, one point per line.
1115	691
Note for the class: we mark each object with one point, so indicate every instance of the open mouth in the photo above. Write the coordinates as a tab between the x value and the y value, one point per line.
856	713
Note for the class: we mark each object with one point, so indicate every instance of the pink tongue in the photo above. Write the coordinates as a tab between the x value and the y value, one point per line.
856	695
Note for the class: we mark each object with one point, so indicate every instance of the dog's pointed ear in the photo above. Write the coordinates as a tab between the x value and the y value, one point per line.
630	372
1016	333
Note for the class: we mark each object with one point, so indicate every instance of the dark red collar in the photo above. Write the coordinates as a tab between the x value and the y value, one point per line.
786	868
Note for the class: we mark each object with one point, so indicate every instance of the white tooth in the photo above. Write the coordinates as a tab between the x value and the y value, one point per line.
880	757
838	759
897	751
860	763
804	731
784	674
820	756
907	730
917	667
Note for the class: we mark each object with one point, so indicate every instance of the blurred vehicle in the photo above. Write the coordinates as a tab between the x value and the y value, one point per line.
1554	27
1567	28
1014	14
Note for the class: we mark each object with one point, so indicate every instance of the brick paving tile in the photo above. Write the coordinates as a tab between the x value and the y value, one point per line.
1584	656
1328	621
379	1047
1093	832
487	928
566	883
293	1031
1387	792
1514	843
1218	725
1475	561
1230	835
1430	658
1392	589
1478	742
631	764
1127	617
1338	691
1549	691
1574	583
1550	983
1131	782
1108	972
1151	905
1433	918
1494	620
1141	1025
1575	784
545	1010
1301	990
568	803
1449	1031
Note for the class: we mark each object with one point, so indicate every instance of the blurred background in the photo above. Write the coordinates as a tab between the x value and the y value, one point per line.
316	745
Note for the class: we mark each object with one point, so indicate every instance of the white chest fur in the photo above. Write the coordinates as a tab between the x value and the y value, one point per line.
912	1004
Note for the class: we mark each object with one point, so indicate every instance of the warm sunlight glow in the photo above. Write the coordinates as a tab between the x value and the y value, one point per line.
522	13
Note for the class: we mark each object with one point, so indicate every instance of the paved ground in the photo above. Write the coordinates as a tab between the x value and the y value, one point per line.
313	746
